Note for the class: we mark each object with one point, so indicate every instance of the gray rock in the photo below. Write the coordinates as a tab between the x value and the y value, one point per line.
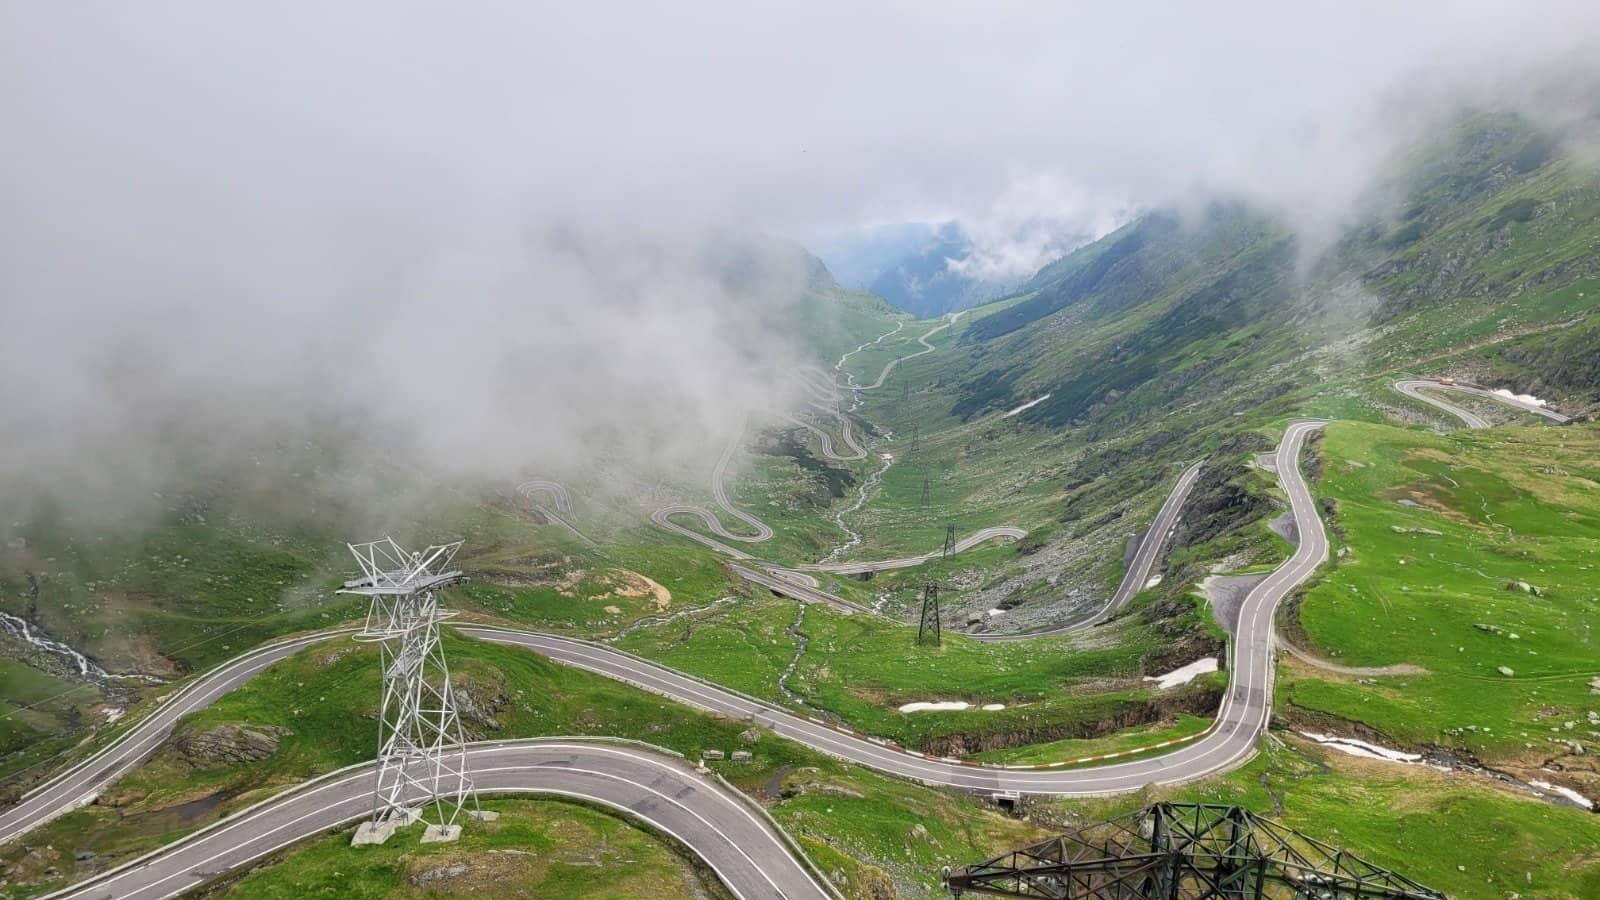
228	743
438	873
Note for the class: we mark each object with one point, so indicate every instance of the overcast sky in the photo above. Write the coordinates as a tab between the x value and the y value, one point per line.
215	181
798	118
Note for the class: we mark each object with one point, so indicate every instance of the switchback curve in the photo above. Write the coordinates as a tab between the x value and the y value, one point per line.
1413	387
1229	742
747	851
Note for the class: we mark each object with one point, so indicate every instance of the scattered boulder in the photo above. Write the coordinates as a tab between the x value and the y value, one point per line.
1408	529
870	882
1524	587
232	742
750	735
1507	671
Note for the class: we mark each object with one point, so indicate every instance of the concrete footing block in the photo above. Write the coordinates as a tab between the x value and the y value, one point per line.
441	834
371	833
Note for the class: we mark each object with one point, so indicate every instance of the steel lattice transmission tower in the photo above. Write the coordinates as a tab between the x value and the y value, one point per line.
1184	851
422	756
930	626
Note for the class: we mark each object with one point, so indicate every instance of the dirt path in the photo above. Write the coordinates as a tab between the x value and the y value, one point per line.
1355	671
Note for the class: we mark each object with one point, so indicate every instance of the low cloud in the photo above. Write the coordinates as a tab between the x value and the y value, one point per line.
247	224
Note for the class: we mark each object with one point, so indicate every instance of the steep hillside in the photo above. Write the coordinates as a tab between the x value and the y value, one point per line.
1496	221
1069	408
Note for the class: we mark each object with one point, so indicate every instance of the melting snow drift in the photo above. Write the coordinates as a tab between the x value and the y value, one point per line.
1568	793
1184	675
1526	399
1362	748
1026	406
946	706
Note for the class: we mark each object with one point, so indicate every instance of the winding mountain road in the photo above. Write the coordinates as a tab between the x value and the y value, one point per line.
889	366
906	562
1414	388
1230	741
1138	574
81	783
557	494
641	783
825	389
747	851
798	584
825	440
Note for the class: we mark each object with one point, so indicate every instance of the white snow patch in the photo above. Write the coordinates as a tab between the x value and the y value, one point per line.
996	612
1184	675
935	706
1026	406
947	706
1362	748
1568	793
1525	399
887	457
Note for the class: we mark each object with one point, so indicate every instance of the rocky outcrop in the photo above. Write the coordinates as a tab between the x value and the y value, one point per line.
229	743
1184	649
438	873
479	701
1220	502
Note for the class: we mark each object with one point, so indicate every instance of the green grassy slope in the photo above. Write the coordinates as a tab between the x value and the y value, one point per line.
1442	532
537	848
855	824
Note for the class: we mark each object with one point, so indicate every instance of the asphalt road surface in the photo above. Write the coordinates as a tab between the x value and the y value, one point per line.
906	562
746	851
625	780
557	492
1231	740
889	366
825	440
1413	388
1138	574
79	784
797	585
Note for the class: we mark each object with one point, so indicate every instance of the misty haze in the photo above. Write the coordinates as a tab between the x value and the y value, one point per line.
870	452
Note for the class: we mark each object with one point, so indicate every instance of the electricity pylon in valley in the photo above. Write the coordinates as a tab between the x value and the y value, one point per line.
930	626
422	754
928	629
